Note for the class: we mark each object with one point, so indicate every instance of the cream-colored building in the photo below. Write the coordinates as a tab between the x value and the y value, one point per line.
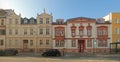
25	34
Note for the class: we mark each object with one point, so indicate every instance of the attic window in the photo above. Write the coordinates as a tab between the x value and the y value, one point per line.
25	21
32	21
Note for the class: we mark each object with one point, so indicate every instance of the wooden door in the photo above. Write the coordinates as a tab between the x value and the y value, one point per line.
81	45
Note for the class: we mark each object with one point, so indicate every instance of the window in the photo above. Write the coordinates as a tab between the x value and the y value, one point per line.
25	21
47	20
61	33
32	21
116	40
73	32
104	32
102	43
31	42
2	32
41	20
89	32
116	21
47	31
73	42
10	31
41	42
25	31
62	43
81	32
16	42
57	33
10	43
10	21
2	22
116	30
31	31
1	42
41	31
16	31
89	43
16	21
47	42
56	43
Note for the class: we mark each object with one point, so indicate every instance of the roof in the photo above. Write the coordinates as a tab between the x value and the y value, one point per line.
81	18
54	23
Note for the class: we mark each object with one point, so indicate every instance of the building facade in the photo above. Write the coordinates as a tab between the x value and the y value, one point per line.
114	18
82	35
25	34
38	34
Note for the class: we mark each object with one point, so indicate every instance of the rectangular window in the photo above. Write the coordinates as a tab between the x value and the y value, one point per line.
89	43
41	42
31	42
25	31
10	43
16	42
73	42
10	21
2	32
81	32
116	21
2	22
31	31
41	31
10	31
16	31
57	32
88	32
41	20
62	43
102	43
56	43
47	31
1	43
73	32
47	20
104	32
61	33
47	42
116	30
16	21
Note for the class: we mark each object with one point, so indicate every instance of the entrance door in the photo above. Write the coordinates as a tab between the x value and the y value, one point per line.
25	45
81	45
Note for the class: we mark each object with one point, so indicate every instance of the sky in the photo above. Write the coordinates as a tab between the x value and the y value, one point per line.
62	9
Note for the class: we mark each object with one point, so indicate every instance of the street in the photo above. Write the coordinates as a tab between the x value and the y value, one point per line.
26	58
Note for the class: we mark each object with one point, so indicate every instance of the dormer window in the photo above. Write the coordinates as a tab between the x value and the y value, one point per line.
25	21
32	21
